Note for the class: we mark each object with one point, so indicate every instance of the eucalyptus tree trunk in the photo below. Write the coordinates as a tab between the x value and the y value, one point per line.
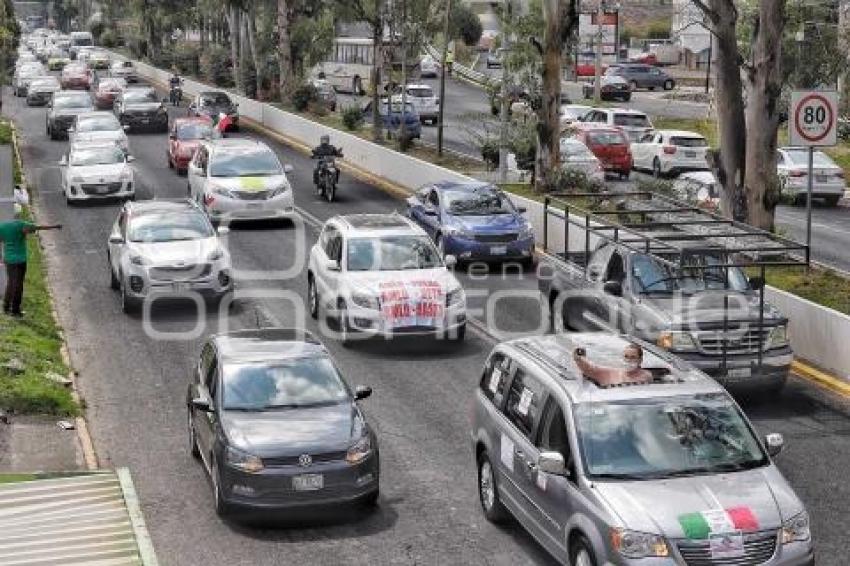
377	62
287	80
764	85
251	25
235	28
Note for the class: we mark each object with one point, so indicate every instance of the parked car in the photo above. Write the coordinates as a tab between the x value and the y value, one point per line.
276	426
75	76
698	187
472	221
380	275
124	70
96	170
214	103
391	115
326	93
63	109
611	87
640	76
635	124
24	74
495	58
98	126
107	91
573	113
577	157
240	179
41	90
792	165
424	101
184	139
670	152
609	145
161	248
141	108
663	472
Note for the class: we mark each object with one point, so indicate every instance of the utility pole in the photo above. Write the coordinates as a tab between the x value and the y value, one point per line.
403	129
597	80
505	108
443	80
708	63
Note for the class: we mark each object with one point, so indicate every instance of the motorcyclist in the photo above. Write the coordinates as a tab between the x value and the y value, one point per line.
323	150
175	82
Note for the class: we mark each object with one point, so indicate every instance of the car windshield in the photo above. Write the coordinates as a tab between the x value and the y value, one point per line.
574	150
820	159
193	131
481	201
573	113
217	99
631	120
392	253
699	272
111	84
44	83
82	101
421	91
140	96
286	384
97	156
606	138
245	163
665	437
99	124
688	142
156	228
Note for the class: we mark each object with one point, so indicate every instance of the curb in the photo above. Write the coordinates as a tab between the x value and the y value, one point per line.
81	425
137	519
821	378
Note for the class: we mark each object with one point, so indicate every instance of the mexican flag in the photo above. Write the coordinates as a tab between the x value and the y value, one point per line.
223	122
700	525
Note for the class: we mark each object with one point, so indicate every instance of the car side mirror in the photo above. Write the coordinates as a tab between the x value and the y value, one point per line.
332	265
756	283
201	404
288	168
116	240
774	442
130	159
362	392
125	127
614	288
222	230
63	162
552	463
450	260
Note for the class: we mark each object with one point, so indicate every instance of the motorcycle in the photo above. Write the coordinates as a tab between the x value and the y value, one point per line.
176	95
328	176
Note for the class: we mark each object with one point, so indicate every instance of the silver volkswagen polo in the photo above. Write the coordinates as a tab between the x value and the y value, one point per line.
662	468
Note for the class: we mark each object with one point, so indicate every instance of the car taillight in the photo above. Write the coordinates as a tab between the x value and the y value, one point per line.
209	199
797	173
669	149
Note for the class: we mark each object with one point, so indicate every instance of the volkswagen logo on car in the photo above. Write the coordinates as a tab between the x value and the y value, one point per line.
305	460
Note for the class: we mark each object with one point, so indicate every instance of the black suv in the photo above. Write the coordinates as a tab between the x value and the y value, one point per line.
141	108
63	109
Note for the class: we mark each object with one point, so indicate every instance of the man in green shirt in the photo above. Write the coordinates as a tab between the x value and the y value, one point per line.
13	234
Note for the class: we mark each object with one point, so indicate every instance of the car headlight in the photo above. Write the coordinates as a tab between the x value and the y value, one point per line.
457	232
455	297
633	544
242	460
365	301
277	191
779	336
673	340
137	260
77	179
796	528
360	450
223	191
526	232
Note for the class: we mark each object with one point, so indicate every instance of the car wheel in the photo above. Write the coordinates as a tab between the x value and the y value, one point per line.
832	200
669	84
189	189
440	245
114	284
342	325
128	303
460	335
633	85
371	499
580	553
170	163
357	86
313	297
193	441
222	509
656	168
488	491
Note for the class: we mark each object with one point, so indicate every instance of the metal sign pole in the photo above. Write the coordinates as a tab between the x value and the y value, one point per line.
810	183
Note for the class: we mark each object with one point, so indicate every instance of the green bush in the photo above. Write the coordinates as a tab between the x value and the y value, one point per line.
570	181
108	38
490	153
303	96
215	66
97	28
187	58
352	117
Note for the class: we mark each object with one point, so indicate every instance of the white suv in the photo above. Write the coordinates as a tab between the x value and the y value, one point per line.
633	123
381	275
240	179
670	152
424	101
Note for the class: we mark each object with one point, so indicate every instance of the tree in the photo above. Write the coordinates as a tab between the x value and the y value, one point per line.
465	25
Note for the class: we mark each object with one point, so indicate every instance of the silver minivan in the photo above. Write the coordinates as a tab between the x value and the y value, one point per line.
662	471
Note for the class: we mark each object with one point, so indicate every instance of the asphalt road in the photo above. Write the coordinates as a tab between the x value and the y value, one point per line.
134	387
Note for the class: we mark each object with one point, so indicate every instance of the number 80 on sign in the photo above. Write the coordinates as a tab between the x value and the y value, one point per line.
813	118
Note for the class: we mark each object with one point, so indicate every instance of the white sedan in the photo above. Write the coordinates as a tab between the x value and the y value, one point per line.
100	127
792	165
96	170
670	152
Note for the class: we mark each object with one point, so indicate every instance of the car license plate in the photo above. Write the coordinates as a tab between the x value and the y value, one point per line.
308	482
738	372
498	250
690	154
820	178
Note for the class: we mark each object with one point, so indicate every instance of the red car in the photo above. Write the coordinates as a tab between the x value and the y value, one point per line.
107	90
609	145
76	76
589	69
184	138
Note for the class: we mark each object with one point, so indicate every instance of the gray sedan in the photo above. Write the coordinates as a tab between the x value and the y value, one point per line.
277	427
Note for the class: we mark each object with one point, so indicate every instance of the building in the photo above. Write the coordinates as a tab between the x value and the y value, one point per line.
689	33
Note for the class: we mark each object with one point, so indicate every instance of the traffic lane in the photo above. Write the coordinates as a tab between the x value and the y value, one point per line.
830	231
178	495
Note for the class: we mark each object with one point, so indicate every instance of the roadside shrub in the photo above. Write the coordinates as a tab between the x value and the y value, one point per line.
490	153
352	117
215	66
187	58
658	186
303	96
97	28
569	181
109	38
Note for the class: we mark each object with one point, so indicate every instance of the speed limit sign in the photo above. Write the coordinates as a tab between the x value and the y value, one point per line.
813	119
